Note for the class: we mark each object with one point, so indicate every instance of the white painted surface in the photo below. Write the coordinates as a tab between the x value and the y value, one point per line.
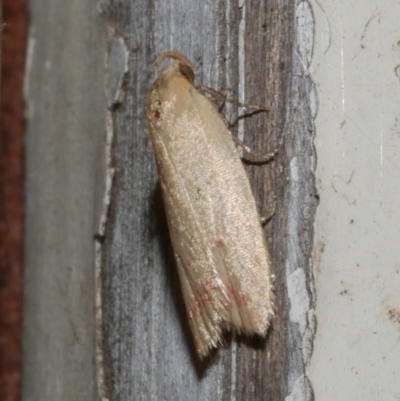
357	243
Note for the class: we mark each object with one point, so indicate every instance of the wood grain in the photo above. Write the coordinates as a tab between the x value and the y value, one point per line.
249	49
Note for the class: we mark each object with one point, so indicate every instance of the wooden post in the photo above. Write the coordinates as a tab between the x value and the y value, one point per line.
250	48
145	351
65	161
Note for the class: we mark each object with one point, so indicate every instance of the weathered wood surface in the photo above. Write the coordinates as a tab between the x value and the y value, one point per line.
65	162
253	49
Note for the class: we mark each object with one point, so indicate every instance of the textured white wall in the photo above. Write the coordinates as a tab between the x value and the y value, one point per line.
357	244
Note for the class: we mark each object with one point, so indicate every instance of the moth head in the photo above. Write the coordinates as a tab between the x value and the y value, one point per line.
181	64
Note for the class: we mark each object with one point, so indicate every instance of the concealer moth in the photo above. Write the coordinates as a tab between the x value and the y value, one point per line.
215	229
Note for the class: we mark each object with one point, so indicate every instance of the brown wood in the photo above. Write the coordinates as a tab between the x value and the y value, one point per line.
13	36
147	344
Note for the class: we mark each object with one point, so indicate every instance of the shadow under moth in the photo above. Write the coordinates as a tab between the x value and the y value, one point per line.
215	229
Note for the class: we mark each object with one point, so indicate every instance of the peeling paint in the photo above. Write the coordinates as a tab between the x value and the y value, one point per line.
309	333
299	274
397	71
117	67
301	390
305	28
314	102
109	178
299	300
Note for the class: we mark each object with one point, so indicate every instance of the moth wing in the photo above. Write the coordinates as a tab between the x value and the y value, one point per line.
203	285
232	225
214	226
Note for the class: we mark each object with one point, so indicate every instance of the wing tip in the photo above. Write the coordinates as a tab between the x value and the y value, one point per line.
205	346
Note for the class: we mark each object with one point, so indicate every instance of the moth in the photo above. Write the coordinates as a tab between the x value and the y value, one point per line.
215	229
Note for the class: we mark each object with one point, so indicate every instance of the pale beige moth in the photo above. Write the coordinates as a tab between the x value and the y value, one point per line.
215	229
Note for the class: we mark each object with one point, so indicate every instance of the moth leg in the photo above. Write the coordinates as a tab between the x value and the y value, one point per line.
265	219
255	157
224	96
218	96
271	212
215	96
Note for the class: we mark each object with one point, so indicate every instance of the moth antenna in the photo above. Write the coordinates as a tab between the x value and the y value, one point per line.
185	65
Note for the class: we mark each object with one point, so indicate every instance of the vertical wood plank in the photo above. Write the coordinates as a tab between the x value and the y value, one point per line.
252	48
65	143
